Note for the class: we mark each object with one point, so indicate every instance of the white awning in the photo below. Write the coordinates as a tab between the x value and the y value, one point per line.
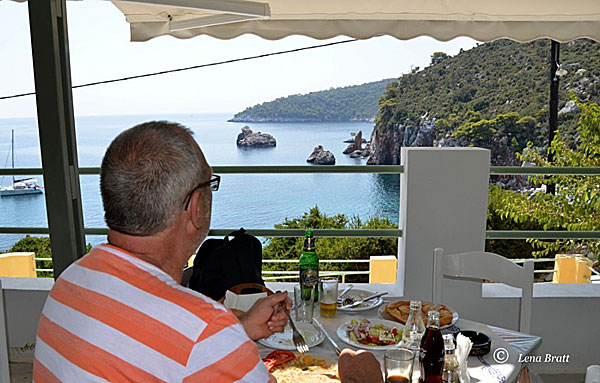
484	20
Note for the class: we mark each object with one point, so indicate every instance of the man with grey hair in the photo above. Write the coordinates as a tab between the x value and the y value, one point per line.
119	314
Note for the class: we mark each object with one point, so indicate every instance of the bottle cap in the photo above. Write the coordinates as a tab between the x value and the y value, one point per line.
308	233
433	319
415	305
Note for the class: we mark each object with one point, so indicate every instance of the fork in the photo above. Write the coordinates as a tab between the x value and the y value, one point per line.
298	339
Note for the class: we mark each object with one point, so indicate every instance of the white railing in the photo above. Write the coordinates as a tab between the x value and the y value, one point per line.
285	274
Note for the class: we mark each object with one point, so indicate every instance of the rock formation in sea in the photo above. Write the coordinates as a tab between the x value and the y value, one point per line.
356	145
385	145
352	139
321	156
250	139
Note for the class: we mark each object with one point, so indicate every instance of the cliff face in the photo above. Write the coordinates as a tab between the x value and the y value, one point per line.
386	143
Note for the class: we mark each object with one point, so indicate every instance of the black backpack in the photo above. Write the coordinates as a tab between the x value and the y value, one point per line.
223	263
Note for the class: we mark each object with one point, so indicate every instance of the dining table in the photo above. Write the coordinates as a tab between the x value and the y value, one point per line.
501	365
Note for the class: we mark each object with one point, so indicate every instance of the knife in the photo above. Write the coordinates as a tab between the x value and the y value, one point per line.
329	338
348	288
376	295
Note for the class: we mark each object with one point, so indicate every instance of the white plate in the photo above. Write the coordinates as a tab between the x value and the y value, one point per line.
358	295
343	335
384	315
283	340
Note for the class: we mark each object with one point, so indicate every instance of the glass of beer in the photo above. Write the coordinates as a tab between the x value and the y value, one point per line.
398	364
328	292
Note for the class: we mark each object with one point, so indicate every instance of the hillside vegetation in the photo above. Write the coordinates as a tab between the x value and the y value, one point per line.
351	103
492	79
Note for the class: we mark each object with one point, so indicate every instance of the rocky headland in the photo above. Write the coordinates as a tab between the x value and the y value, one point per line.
320	156
386	144
247	138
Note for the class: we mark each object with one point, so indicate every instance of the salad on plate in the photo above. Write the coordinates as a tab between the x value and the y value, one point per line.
373	334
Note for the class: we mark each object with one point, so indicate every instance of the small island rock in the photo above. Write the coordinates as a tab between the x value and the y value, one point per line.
356	145
320	156
351	140
250	139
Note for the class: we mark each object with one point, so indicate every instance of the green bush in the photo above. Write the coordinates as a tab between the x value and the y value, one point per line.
575	205
331	248
41	247
498	220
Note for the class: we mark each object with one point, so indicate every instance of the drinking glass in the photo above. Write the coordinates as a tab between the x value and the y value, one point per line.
304	303
398	365
328	292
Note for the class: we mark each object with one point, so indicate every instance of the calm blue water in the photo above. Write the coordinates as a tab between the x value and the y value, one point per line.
251	201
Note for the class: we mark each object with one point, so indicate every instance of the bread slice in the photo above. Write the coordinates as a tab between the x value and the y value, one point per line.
400	310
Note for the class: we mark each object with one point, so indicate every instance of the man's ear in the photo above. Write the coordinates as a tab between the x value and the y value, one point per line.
196	208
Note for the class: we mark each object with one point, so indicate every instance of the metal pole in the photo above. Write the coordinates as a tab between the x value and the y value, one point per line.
52	72
12	152
553	107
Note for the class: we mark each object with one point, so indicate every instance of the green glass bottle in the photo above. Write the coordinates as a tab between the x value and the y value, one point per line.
309	266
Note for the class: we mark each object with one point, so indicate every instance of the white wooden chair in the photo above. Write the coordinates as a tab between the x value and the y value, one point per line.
4	369
490	266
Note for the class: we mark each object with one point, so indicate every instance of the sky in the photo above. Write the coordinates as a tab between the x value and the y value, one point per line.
100	50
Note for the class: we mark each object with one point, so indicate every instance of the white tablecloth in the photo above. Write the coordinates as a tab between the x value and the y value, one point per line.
481	369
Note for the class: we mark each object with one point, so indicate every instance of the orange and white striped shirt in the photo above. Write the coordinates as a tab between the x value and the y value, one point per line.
112	317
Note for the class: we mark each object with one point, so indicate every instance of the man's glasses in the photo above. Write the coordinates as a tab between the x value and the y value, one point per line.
214	182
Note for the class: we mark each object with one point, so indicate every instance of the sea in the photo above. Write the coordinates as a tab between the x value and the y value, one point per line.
243	200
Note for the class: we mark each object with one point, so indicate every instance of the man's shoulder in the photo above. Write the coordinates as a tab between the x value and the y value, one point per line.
108	268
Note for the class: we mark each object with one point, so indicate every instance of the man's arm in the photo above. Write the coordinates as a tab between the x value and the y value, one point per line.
223	353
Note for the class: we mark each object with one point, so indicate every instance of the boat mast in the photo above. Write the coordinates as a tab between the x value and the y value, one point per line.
12	151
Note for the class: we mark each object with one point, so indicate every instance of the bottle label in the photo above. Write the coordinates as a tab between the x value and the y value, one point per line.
309	277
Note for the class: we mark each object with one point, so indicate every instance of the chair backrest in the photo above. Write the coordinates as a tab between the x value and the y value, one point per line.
4	371
490	266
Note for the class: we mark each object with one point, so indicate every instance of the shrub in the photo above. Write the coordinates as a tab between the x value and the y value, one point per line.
331	248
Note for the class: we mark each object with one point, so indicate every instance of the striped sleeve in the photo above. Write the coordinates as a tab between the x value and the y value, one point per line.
225	354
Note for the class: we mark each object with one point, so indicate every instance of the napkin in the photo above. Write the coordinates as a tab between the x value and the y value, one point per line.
241	302
463	347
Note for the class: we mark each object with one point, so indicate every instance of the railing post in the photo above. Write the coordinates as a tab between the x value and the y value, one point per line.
444	193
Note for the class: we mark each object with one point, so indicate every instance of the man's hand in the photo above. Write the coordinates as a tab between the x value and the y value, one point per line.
266	316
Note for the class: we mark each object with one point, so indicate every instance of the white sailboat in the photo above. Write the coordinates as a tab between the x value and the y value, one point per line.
23	186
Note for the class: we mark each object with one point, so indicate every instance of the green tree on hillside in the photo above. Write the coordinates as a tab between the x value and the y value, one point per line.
438	57
576	204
